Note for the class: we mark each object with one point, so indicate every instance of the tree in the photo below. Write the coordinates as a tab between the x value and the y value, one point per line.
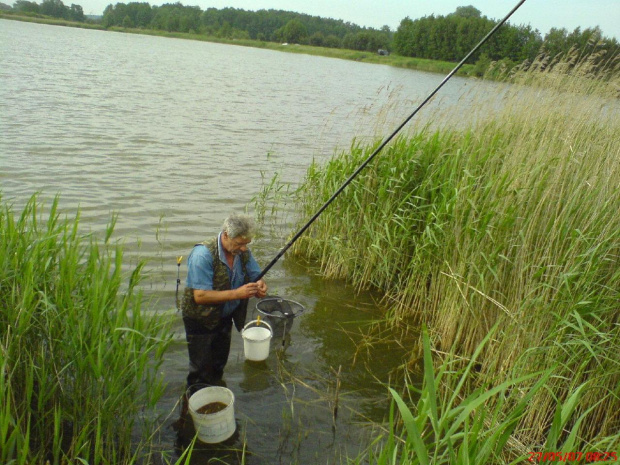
76	13
54	8
530	42
127	22
26	6
140	13
403	38
294	32
332	41
172	21
226	31
482	65
555	42
469	11
451	37
317	39
108	16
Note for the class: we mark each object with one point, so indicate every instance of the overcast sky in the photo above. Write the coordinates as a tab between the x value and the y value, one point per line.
540	14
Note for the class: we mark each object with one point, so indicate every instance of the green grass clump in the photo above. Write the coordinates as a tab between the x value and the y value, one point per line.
78	360
511	219
451	423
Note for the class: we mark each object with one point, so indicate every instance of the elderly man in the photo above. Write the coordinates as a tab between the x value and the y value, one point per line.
220	278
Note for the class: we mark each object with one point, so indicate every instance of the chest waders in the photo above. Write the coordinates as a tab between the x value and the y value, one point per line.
210	316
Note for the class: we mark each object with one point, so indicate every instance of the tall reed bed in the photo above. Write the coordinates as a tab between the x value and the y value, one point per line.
452	423
512	221
78	360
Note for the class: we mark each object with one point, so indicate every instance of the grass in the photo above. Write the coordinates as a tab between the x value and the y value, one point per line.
78	359
508	221
453	424
43	19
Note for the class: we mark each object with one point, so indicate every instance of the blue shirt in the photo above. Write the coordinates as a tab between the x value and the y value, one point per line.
200	271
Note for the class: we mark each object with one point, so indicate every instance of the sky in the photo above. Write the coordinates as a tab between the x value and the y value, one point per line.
540	14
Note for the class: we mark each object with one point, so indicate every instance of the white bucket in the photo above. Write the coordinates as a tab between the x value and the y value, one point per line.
213	427
256	340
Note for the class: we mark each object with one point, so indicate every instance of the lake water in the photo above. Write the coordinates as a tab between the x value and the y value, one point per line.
173	135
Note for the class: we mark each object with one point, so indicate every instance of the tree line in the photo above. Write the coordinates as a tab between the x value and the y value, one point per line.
53	8
451	37
262	25
446	38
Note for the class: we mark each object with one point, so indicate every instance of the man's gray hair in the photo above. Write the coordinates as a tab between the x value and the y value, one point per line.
238	226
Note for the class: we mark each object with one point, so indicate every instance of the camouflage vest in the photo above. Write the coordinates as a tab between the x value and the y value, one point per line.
211	315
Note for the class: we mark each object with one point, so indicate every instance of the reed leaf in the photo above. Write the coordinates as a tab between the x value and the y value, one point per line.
79	361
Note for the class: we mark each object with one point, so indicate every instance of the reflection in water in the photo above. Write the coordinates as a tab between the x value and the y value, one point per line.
257	376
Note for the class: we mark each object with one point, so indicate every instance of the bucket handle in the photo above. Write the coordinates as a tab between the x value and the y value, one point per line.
259	322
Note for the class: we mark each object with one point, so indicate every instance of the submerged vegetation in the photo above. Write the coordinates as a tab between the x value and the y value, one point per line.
78	358
509	223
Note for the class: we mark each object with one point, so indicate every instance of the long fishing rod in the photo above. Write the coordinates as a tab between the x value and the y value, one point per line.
386	141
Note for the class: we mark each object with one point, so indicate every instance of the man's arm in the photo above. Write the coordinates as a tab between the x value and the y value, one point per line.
217	297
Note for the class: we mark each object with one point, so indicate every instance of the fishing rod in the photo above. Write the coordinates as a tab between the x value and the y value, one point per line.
386	141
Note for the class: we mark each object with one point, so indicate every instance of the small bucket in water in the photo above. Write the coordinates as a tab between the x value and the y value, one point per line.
213	413
256	340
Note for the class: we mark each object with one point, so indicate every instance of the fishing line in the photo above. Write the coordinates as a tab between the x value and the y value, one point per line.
386	141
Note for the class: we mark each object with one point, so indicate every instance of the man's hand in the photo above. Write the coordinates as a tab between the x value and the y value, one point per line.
262	289
248	290
257	289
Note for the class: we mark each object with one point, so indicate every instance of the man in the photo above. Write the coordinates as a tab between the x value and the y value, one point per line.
220	278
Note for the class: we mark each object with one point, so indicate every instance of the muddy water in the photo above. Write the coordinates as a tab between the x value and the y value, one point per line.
173	135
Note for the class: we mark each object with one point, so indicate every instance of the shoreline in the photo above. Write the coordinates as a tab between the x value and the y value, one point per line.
417	64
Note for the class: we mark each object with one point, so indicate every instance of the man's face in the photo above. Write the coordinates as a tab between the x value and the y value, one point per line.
235	245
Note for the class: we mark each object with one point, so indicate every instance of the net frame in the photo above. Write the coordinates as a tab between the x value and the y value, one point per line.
282	308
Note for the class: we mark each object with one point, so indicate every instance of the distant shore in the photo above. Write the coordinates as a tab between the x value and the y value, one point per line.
419	64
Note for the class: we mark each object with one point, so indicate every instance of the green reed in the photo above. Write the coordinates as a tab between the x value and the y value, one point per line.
79	359
510	220
453	424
